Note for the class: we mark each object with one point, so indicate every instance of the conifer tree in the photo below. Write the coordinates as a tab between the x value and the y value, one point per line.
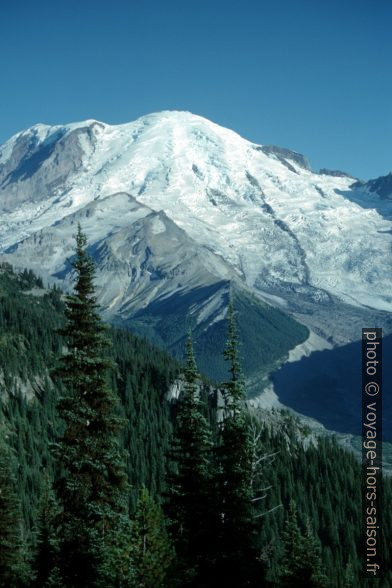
302	555
312	554
189	501
152	553
47	548
92	491
13	567
293	552
349	575
238	559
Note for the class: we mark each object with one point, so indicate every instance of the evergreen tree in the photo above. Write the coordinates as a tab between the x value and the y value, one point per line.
312	553
293	563
13	567
190	496
349	575
239	564
324	479
92	490
47	548
152	554
302	555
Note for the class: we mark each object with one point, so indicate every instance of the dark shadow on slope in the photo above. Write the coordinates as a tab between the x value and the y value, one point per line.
382	205
327	387
265	333
34	157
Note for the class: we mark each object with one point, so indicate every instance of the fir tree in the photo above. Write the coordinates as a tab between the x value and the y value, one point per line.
302	555
312	553
349	574
152	554
190	497
13	567
238	559
293	553
93	491
47	546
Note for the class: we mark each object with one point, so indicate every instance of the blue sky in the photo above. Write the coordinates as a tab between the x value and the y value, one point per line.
309	75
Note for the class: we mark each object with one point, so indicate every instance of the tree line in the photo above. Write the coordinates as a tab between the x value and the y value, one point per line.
131	495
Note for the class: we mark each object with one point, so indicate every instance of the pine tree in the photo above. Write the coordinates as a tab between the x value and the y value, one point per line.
13	567
238	559
189	504
152	553
92	491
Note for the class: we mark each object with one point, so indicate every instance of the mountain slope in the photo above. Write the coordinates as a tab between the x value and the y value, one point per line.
144	379
177	210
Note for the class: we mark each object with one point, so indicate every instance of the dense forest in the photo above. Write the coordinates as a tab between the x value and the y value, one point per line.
108	477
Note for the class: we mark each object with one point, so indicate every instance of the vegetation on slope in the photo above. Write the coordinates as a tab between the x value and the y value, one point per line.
323	481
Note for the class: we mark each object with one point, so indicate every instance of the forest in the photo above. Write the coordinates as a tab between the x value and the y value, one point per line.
121	466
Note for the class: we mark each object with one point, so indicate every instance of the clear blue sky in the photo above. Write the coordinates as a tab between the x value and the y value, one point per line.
311	75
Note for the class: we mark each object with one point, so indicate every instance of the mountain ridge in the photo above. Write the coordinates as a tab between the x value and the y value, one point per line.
173	203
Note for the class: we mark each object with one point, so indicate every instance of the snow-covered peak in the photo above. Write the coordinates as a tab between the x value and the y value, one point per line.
169	124
285	230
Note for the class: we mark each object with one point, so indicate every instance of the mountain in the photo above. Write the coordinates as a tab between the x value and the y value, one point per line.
381	187
179	212
146	380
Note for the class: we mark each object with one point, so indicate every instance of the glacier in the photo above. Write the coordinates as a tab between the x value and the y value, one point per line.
173	203
279	225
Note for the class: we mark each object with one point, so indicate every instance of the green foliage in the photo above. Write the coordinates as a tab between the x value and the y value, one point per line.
13	565
233	388
46	557
324	479
151	552
190	484
302	555
28	341
325	482
142	378
237	559
265	334
349	575
92	489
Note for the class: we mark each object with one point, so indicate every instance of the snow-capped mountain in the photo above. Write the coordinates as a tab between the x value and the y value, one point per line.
176	208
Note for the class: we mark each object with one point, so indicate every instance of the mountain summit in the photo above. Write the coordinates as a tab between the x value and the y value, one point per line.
178	210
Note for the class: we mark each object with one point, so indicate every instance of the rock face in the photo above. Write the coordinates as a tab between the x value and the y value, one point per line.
337	173
179	212
381	186
39	163
286	155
